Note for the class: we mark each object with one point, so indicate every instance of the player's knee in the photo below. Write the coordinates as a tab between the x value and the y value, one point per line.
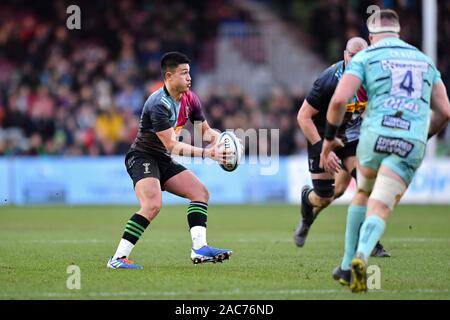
324	188
205	194
338	194
324	202
200	194
364	184
388	191
150	210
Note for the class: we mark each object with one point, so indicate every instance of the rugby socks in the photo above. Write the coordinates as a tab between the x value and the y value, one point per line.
355	218
134	229
371	232
197	216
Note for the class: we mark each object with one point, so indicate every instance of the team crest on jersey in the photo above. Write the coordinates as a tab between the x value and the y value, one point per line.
146	168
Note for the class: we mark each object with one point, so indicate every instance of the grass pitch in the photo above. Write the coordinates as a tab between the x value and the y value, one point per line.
37	244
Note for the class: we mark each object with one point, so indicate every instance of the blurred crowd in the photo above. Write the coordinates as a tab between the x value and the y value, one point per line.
343	21
80	92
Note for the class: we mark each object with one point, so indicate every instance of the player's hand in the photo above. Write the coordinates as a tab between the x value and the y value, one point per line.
219	154
332	163
327	147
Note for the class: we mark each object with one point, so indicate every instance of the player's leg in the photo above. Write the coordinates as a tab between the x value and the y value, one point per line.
342	178
388	189
386	192
326	188
144	172
148	193
322	193
347	155
312	202
395	174
354	211
357	209
185	184
355	217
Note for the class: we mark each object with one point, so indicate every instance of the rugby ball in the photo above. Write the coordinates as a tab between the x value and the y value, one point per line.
231	142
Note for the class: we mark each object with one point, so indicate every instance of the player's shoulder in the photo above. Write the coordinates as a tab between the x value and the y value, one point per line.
331	75
158	98
190	95
191	98
333	70
390	46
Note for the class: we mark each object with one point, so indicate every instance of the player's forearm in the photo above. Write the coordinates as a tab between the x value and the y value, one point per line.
183	149
440	106
309	129
336	111
438	122
335	116
210	135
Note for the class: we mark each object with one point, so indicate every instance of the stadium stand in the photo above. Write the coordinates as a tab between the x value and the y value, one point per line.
80	92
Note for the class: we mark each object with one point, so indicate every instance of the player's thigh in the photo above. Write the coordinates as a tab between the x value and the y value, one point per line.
350	163
185	184
347	155
144	171
405	164
148	192
368	160
387	191
140	165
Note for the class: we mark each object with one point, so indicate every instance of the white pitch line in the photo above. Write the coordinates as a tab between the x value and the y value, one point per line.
322	239
219	293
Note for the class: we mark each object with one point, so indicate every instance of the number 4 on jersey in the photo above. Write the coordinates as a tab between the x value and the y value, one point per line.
407	83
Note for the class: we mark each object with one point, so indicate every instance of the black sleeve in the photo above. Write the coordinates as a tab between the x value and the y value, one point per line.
320	95
159	117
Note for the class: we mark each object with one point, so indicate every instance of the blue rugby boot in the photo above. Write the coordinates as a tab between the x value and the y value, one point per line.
209	254
122	263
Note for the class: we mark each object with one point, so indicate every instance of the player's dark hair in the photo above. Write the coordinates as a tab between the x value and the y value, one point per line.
171	60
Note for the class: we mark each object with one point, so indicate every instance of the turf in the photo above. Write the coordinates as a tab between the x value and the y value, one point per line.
37	244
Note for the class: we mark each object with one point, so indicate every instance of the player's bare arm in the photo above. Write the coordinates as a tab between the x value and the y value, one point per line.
168	138
309	129
345	90
441	109
306	124
209	134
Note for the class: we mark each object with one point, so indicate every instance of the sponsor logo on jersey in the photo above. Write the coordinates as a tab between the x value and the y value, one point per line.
397	146
395	123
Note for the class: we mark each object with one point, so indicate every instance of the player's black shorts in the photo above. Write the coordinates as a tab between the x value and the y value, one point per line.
314	155
141	165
